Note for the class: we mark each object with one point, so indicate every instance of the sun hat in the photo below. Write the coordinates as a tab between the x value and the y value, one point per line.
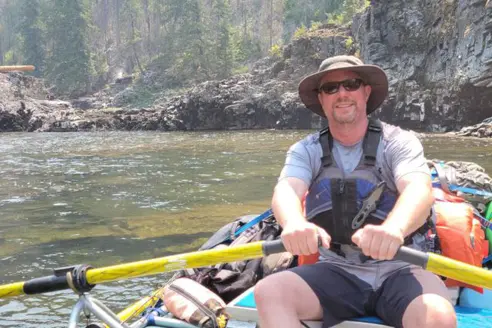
371	75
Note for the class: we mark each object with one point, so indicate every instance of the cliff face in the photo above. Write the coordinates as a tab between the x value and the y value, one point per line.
438	55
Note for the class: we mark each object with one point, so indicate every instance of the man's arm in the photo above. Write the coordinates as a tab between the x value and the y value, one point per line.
412	178
287	200
414	204
301	164
298	235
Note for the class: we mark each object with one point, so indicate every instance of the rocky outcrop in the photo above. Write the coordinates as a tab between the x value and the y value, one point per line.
481	130
24	105
438	55
264	98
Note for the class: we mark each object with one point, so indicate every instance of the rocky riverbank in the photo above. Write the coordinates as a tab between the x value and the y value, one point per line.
481	130
438	83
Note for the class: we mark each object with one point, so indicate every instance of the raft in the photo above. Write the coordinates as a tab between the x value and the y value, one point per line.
472	308
243	313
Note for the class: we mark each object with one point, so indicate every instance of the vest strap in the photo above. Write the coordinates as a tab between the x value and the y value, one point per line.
326	141
369	148
371	142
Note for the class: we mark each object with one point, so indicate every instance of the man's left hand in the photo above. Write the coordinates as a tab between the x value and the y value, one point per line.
378	241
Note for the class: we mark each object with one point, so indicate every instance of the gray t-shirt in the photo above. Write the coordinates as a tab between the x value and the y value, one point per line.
398	154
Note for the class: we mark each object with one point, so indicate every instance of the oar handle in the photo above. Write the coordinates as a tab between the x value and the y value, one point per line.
405	253
273	247
412	256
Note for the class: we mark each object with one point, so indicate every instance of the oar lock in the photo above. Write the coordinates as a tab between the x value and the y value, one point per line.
76	277
73	277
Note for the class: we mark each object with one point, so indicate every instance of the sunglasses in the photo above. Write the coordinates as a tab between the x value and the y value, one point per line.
332	87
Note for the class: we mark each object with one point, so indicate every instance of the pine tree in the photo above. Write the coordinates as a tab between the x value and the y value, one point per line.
221	53
69	65
31	35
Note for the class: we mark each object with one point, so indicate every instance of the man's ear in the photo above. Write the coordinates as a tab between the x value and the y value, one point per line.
368	91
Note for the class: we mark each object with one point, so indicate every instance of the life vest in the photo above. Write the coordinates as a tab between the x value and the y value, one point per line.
335	198
460	233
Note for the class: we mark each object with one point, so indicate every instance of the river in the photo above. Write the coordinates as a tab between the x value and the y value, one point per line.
112	197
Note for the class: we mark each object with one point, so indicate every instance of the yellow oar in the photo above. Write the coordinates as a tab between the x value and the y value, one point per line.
447	267
138	307
23	68
84	278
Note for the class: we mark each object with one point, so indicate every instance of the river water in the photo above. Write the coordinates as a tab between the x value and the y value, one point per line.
113	197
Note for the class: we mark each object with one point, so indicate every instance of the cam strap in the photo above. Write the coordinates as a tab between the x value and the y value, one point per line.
441	175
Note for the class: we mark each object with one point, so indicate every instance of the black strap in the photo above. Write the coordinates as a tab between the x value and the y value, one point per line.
369	148
304	324
326	141
371	142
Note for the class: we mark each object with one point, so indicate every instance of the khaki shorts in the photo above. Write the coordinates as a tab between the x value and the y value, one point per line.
344	295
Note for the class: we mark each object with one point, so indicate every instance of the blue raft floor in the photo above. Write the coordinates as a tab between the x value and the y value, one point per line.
467	317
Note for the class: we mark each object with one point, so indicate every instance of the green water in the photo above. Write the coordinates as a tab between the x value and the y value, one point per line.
107	198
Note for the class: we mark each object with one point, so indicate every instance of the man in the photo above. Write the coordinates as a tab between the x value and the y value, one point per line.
319	195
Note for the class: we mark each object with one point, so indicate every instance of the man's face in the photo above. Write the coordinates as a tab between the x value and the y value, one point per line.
343	106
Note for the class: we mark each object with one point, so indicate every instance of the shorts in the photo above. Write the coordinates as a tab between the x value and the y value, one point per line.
345	293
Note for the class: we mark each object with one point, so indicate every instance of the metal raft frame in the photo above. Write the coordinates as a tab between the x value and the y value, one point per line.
87	304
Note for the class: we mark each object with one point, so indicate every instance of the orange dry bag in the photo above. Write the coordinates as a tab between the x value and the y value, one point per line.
460	234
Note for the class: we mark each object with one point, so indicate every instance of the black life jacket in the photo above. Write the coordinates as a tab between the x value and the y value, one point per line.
335	198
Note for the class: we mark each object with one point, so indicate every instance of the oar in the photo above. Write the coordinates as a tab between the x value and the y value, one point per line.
22	68
66	278
446	267
435	263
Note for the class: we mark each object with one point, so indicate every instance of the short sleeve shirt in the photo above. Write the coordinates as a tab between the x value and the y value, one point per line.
398	154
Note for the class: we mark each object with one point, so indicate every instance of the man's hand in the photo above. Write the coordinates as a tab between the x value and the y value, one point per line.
300	237
379	242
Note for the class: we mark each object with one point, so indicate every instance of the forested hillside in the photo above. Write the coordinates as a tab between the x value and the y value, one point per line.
80	45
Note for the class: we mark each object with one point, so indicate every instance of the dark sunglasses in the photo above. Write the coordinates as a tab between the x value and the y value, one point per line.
332	87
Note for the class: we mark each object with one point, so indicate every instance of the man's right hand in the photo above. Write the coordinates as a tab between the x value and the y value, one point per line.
301	237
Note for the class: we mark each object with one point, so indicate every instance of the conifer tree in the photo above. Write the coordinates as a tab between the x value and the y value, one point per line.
31	35
68	63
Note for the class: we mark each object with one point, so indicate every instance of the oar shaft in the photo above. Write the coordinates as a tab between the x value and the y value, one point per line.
13	289
447	267
456	270
137	308
35	286
23	68
175	262
92	276
435	263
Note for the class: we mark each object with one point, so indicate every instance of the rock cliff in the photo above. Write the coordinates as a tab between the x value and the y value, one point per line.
438	55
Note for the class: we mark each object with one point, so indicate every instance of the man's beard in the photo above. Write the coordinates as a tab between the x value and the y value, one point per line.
346	118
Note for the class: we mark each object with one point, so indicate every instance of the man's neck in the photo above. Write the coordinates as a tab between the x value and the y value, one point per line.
349	134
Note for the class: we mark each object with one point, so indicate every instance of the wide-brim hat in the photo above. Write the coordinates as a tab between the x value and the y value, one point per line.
371	75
